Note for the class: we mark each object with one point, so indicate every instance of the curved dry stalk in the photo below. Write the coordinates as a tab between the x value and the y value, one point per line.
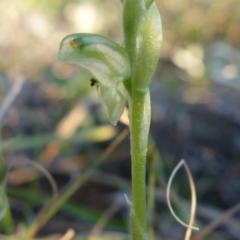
41	169
189	226
37	166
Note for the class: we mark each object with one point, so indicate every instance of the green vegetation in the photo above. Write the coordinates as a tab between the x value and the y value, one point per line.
53	125
133	64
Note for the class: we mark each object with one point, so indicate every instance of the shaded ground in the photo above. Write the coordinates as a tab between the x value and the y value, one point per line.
198	124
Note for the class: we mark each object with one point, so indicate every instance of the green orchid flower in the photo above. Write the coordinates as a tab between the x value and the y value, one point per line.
132	64
107	61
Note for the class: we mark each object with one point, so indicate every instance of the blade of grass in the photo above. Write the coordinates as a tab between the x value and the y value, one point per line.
68	235
154	161
101	223
105	236
76	210
226	215
11	96
92	216
93	134
7	220
151	160
69	190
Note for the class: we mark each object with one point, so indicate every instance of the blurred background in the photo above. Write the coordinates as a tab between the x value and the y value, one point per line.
49	114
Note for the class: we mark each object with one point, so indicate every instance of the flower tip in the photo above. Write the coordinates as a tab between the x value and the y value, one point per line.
74	44
68	45
114	123
61	52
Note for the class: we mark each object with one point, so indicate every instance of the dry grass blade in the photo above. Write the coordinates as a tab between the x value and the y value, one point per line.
104	219
68	235
14	91
51	208
3	202
230	212
189	226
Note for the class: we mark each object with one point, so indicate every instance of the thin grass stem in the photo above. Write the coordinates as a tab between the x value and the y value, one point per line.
151	189
226	215
70	189
7	220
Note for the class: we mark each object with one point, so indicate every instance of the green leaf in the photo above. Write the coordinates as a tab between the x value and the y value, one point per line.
3	203
106	60
136	228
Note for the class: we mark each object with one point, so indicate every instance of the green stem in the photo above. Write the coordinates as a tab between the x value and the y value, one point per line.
140	121
7	220
153	161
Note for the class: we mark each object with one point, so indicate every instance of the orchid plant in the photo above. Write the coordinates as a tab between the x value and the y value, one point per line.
131	63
